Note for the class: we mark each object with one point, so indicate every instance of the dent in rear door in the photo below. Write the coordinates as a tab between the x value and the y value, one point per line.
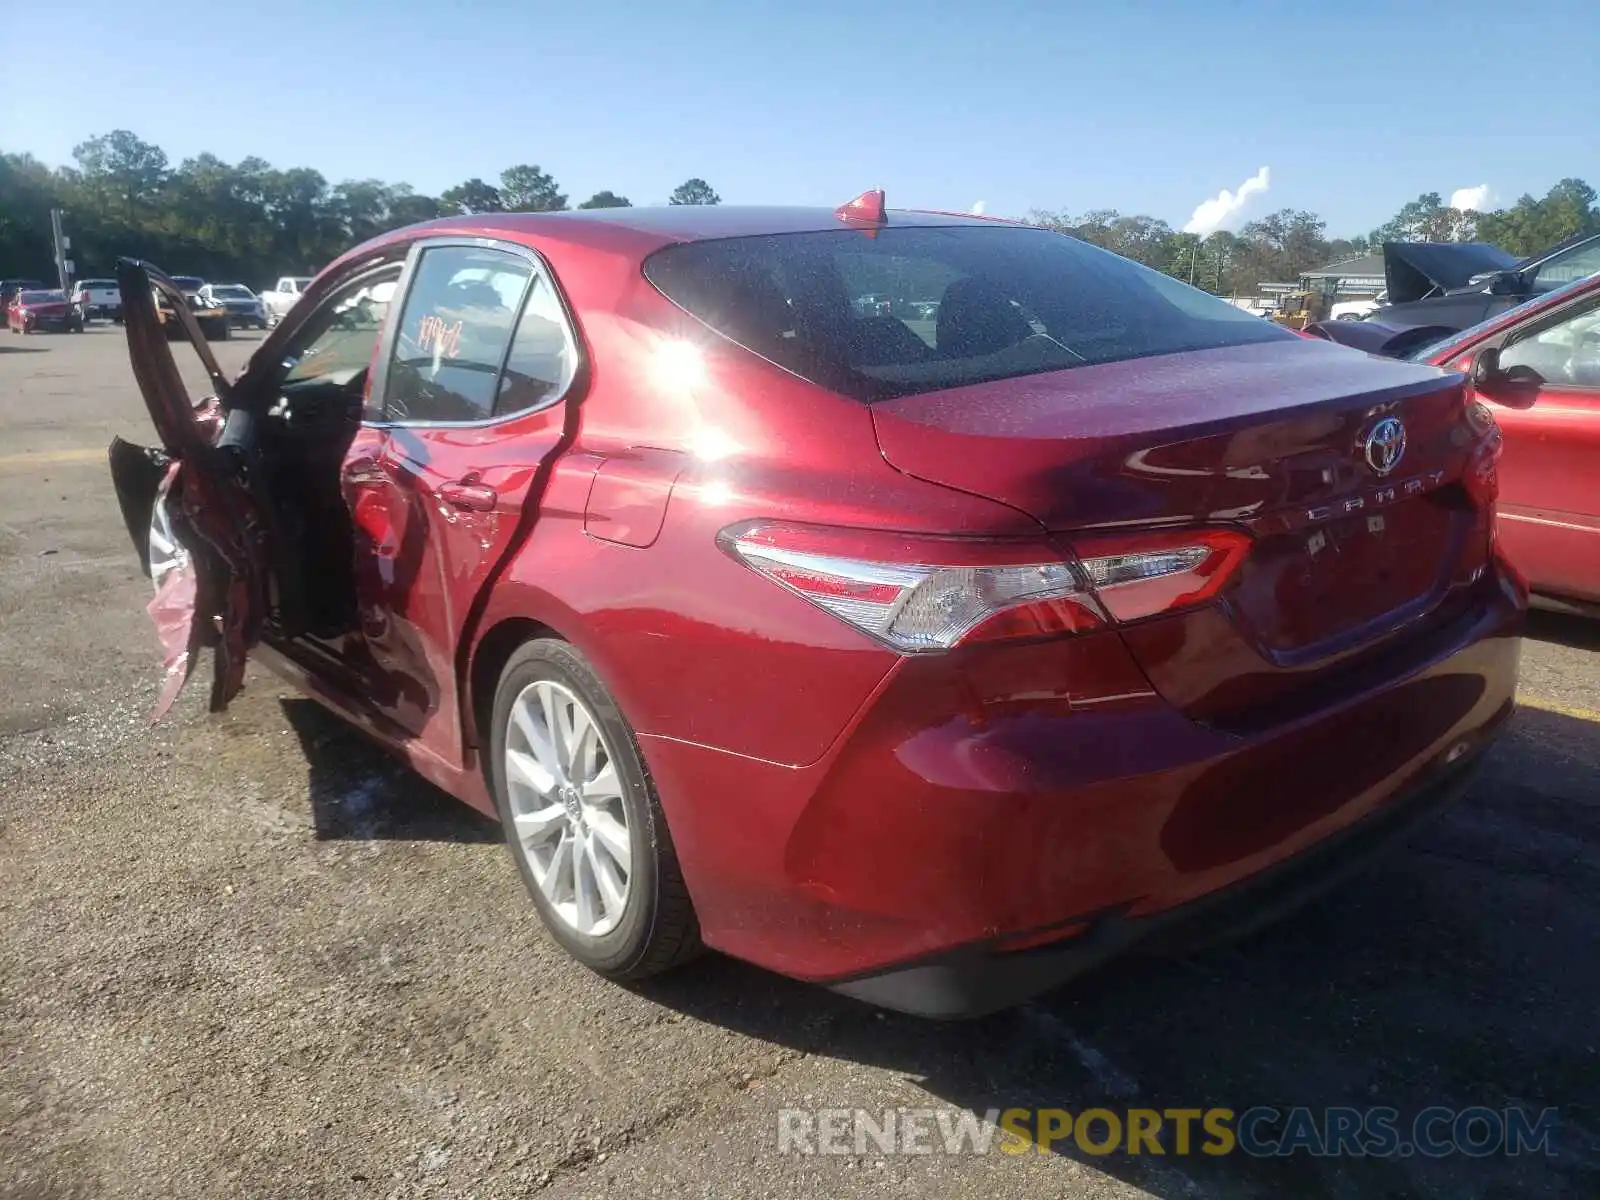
477	394
214	594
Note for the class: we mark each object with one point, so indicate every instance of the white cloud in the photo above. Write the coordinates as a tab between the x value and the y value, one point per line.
1219	211
1476	199
977	209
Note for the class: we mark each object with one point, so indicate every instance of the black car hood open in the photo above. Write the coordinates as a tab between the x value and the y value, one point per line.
1414	270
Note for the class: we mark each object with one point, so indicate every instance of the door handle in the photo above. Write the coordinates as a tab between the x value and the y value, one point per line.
473	497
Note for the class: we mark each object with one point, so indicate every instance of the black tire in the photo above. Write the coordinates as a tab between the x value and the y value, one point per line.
658	929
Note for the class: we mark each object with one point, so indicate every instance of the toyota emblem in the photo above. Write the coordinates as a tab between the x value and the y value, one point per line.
1385	445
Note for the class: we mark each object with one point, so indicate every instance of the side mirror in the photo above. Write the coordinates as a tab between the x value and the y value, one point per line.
1507	283
1517	387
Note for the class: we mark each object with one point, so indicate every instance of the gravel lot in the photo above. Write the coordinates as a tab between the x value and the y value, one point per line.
246	955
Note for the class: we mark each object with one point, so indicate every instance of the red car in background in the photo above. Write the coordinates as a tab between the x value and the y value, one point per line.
1538	367
935	661
44	311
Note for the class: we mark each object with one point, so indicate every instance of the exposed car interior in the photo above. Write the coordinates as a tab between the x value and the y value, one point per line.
317	406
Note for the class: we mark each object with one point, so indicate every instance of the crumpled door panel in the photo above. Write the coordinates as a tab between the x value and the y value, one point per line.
217	594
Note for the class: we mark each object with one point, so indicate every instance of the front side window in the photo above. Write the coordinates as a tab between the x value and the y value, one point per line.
1565	353
1579	262
898	311
337	343
454	330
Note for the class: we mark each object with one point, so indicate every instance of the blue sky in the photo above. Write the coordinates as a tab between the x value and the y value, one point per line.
1149	106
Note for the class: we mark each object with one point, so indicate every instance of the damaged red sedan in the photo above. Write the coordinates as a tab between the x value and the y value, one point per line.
934	654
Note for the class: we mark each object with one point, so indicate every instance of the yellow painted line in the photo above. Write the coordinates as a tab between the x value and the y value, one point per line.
1555	706
52	458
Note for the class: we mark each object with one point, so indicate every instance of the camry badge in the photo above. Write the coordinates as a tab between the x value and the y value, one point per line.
1385	445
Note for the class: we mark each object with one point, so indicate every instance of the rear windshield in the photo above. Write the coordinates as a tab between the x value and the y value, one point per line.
40	297
189	283
921	309
232	291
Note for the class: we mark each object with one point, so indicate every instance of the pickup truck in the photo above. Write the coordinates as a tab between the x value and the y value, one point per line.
98	298
278	300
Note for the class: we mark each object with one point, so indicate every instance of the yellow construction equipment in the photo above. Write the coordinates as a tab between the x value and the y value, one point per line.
1299	309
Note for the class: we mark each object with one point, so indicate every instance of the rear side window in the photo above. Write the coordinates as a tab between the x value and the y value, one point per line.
542	358
902	311
455	329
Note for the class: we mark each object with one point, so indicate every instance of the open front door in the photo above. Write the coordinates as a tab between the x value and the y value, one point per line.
190	506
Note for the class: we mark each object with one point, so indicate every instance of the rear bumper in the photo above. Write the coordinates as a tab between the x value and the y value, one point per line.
977	806
974	981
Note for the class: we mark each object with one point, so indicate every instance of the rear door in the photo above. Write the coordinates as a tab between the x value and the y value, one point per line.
474	385
210	540
1549	503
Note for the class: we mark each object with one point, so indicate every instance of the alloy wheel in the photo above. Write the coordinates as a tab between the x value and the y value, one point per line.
570	823
167	554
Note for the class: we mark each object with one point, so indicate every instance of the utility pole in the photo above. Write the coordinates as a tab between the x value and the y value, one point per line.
59	247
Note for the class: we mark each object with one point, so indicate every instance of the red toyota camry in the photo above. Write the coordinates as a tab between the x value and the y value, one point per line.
934	648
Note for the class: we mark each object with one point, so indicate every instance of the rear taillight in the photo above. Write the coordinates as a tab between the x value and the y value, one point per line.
1140	575
920	594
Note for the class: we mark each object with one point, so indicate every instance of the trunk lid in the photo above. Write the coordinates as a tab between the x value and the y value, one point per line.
1294	442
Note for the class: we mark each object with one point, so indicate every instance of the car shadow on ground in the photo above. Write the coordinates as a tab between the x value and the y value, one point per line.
359	791
1459	971
1564	629
6	348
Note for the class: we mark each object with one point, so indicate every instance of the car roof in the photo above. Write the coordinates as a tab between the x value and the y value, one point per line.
620	228
637	233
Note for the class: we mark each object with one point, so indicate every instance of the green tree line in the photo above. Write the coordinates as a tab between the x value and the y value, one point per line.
1280	246
252	221
248	220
